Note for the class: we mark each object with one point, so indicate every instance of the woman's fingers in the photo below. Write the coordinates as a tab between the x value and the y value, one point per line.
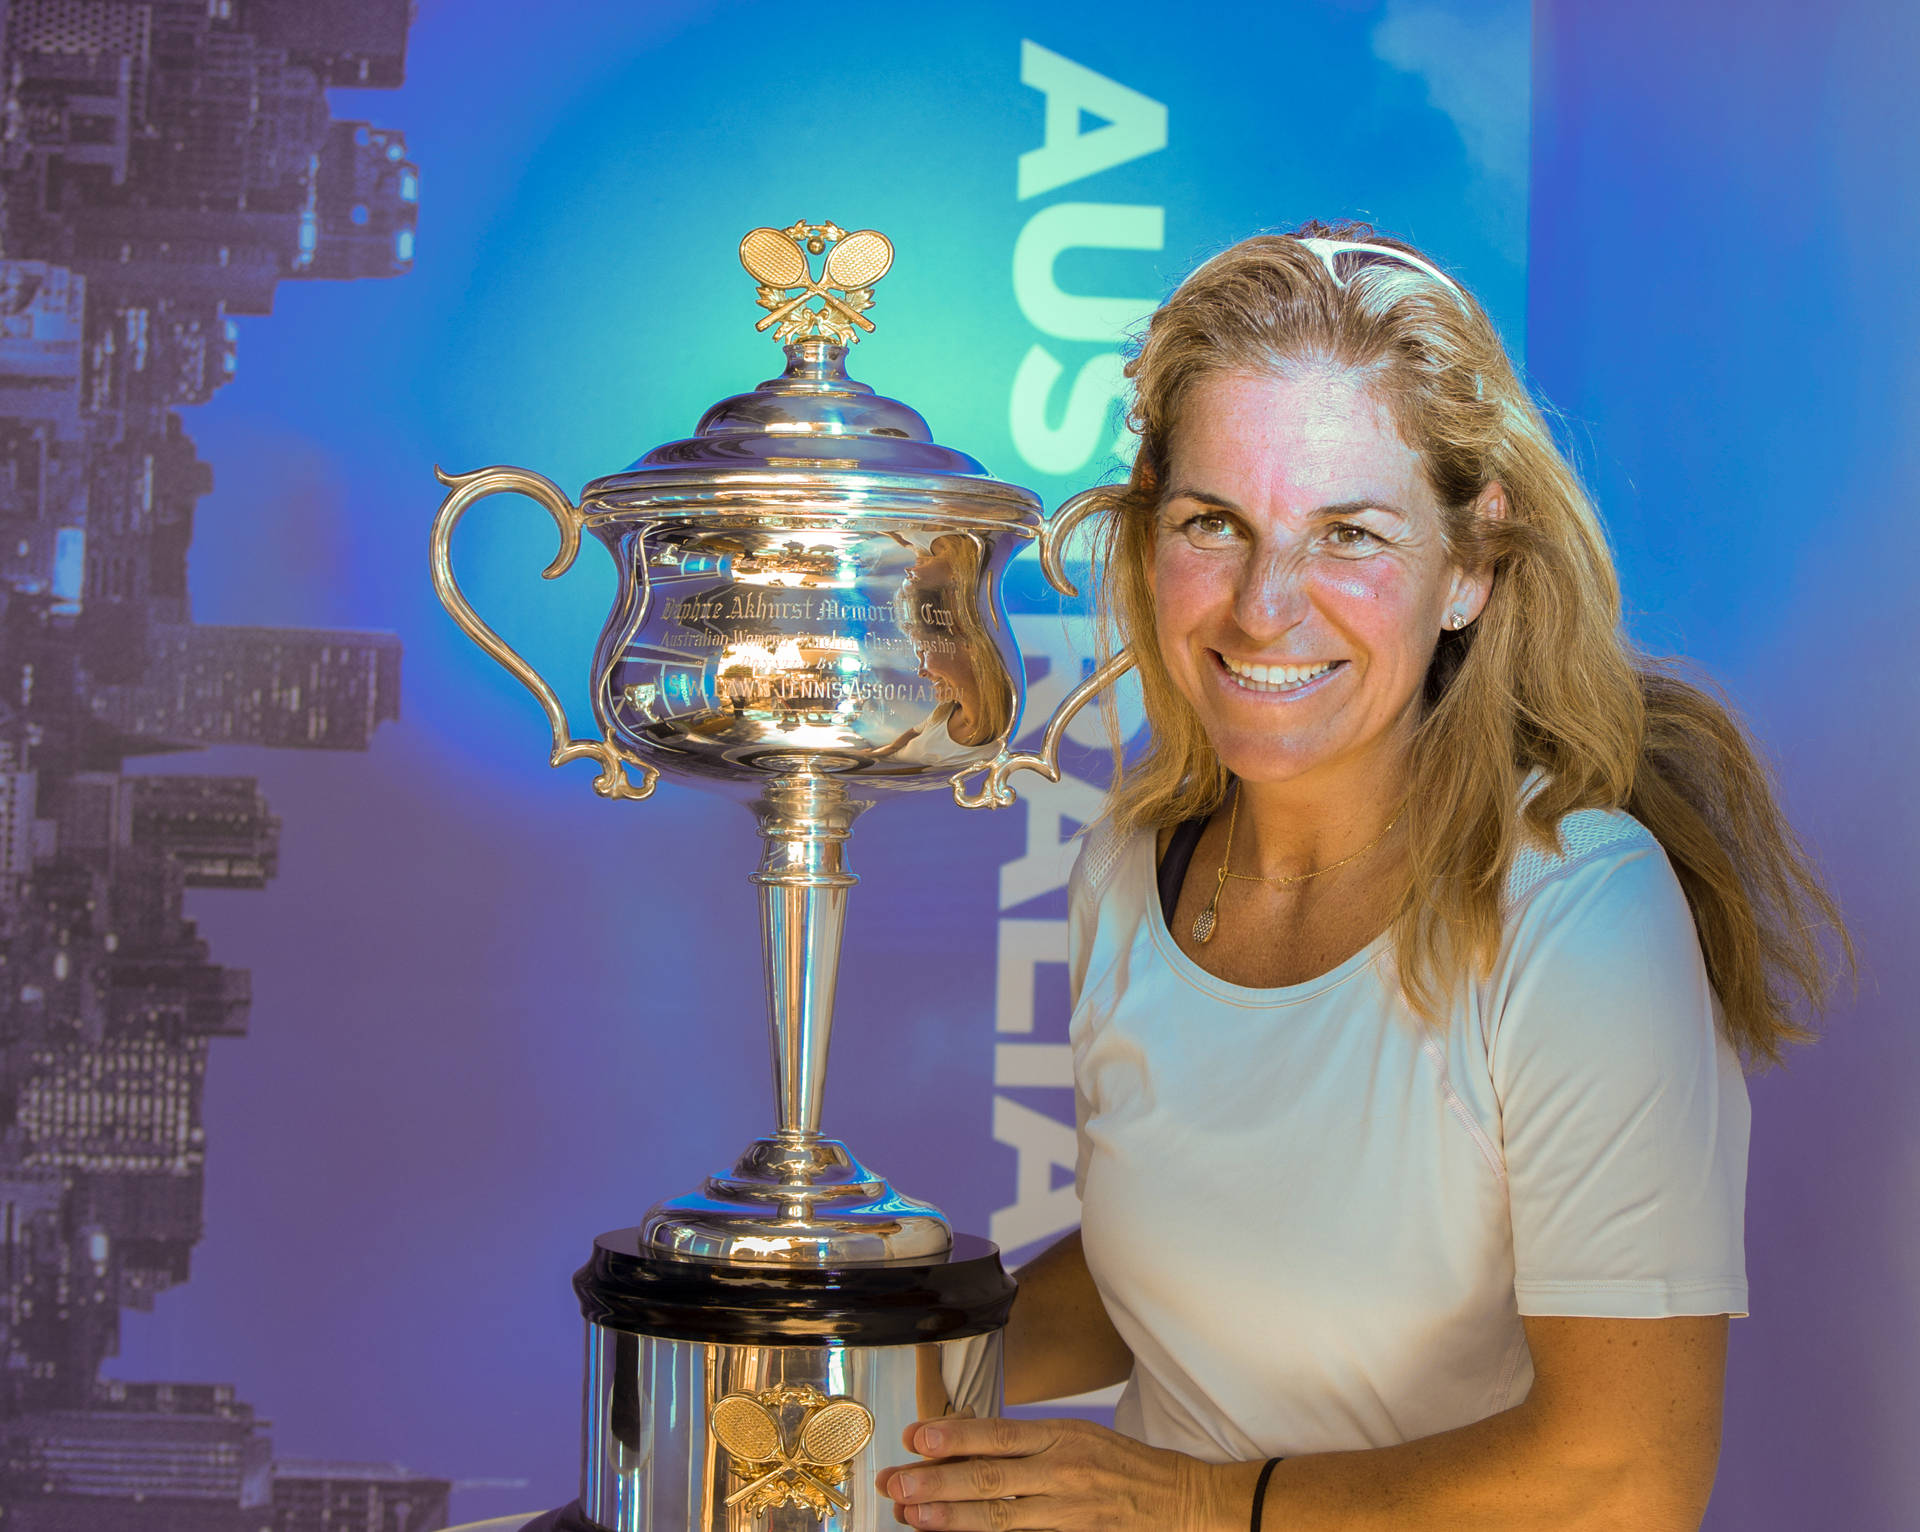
991	1475
999	1475
992	1436
1029	1513
970	1479
1002	1475
992	1439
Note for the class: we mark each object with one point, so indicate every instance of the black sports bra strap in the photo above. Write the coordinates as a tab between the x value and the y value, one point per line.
1173	866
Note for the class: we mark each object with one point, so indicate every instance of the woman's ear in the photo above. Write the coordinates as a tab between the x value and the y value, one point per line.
1471	587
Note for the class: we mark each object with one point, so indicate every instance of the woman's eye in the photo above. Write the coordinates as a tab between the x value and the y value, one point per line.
1208	530
1349	537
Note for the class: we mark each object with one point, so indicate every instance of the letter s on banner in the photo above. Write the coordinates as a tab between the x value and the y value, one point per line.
1070	445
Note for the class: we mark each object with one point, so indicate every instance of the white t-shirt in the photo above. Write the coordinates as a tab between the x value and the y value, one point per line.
1317	1221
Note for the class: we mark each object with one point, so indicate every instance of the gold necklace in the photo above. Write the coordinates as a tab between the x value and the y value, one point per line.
1208	919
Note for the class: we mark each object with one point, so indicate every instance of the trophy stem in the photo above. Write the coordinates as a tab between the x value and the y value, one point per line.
795	1198
803	881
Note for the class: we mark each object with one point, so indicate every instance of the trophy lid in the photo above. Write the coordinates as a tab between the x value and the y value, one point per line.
812	432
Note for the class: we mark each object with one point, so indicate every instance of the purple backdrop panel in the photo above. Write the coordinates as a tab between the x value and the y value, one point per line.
1720	301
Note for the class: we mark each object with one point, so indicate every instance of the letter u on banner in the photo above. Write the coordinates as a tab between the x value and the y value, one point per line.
1081	225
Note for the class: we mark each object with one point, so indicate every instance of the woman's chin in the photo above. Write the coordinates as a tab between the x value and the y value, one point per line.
1265	771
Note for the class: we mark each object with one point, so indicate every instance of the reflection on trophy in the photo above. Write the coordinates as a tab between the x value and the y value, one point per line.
809	614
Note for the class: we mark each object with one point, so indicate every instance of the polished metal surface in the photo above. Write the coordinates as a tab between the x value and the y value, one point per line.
869	648
809	612
790	1444
795	1196
614	780
993	792
811	431
803	882
667	1452
800	1201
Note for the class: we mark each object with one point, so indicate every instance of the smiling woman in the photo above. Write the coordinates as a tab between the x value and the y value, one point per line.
1413	1139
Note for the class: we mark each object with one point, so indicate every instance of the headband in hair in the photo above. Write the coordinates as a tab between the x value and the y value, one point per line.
1327	249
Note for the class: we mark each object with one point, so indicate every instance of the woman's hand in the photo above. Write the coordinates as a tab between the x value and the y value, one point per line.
1060	1476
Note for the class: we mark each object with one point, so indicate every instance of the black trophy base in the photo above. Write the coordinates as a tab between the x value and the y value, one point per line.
567	1519
669	1337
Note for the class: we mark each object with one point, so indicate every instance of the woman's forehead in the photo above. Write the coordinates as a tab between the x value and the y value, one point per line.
1314	432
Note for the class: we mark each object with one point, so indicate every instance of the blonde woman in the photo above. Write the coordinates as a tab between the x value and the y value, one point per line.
1414	967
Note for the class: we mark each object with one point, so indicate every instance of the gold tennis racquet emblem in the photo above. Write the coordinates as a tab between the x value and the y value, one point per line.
778	260
827	1433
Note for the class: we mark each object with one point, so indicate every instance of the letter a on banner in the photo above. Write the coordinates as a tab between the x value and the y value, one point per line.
1134	124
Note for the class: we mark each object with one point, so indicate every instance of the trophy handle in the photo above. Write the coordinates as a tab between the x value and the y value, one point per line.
993	791
615	761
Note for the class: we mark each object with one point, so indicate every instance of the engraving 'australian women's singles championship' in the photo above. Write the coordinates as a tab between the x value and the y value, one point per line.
808	615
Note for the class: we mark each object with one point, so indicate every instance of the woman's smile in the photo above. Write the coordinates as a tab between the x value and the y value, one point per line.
1277	681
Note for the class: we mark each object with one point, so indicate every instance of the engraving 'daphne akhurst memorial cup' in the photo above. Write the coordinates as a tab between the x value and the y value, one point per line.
808	616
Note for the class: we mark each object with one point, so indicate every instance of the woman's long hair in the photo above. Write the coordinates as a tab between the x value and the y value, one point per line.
1545	678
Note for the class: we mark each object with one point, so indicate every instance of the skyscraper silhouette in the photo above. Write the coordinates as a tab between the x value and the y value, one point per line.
308	689
168	163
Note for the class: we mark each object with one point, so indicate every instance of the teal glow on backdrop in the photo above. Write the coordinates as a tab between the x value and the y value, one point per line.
496	1015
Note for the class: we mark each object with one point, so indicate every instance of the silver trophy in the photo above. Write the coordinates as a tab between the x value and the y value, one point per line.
809	614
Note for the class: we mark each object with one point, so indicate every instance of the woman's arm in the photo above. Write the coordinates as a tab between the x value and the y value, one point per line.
1620	1433
1621	1430
1059	1339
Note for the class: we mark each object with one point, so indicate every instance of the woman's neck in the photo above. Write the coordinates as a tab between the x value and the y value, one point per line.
1307	823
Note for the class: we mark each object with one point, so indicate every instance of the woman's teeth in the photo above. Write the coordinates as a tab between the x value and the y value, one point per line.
1275	678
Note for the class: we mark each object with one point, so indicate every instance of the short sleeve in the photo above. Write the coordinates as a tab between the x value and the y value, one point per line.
1623	1111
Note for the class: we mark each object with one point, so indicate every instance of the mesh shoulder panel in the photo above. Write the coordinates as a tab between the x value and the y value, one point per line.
1100	856
1583	834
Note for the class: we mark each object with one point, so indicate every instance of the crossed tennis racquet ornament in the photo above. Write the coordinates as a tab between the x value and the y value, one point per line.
827	1435
778	260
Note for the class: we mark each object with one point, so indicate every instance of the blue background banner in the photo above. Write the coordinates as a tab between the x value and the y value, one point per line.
497	1014
492	1015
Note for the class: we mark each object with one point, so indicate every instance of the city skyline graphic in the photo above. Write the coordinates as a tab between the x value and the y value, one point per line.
164	165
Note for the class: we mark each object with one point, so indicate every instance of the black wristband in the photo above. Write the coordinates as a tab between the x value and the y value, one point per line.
1260	1492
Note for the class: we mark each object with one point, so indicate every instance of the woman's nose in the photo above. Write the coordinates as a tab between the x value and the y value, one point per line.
1272	595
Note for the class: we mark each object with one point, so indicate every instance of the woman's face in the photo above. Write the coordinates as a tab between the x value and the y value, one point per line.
1300	578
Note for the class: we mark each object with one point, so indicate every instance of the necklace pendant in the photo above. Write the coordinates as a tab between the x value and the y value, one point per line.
1203	926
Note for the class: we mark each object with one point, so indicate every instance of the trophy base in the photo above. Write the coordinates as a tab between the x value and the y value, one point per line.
735	1398
797	1199
569	1518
